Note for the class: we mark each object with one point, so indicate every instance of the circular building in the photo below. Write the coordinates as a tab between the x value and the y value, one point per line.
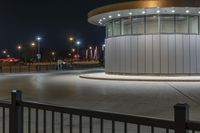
151	36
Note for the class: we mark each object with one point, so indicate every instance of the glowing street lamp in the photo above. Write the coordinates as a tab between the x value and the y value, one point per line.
4	52
33	44
73	50
78	45
71	39
19	47
53	53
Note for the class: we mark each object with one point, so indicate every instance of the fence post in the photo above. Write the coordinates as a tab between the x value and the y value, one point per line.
181	116
16	112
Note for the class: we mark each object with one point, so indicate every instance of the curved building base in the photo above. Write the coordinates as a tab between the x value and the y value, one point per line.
153	54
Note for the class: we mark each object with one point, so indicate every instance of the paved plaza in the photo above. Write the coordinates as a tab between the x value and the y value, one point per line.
153	99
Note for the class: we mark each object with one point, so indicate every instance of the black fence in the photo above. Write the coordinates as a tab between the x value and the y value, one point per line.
17	117
16	68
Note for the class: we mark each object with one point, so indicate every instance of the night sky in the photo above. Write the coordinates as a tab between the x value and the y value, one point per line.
22	20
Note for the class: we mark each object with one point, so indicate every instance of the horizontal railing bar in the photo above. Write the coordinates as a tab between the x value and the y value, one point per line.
193	125
104	115
5	104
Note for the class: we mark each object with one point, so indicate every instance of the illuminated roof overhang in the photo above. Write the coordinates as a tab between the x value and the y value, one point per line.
141	7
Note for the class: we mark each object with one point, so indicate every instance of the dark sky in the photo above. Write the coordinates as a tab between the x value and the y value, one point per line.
22	20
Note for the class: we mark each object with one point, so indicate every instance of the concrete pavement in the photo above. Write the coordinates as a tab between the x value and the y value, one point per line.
154	99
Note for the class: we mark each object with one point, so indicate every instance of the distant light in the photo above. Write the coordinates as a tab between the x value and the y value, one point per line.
71	38
78	42
32	44
110	16
143	12
100	20
130	13
53	53
173	11
90	47
187	11
104	18
118	15
199	12
4	52
8	56
39	38
19	47
73	50
158	11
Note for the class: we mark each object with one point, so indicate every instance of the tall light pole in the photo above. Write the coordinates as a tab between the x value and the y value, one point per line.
38	50
19	47
78	45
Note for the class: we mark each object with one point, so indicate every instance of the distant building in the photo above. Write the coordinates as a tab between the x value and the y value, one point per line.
151	36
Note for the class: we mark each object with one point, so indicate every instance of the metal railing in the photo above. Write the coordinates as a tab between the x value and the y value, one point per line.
22	116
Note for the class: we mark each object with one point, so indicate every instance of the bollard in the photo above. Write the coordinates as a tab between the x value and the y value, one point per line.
16	112
181	115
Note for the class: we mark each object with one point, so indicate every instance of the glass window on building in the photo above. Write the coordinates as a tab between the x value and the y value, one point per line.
138	25
193	24
116	27
126	26
109	29
167	24
151	24
181	24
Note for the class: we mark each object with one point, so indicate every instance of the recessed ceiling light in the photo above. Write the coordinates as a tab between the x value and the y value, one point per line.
130	13
110	16
143	12
173	11
158	11
187	11
118	15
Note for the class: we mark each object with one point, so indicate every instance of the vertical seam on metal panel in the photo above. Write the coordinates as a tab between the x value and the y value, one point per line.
152	54
145	52
196	50
168	51
175	53
137	56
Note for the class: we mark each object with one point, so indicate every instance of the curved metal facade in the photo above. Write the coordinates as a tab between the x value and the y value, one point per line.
153	54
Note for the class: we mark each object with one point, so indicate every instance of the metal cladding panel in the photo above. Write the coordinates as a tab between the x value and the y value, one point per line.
172	54
123	55
186	56
117	54
134	48
107	65
193	53
114	55
164	53
106	55
128	54
198	54
111	44
149	54
141	54
179	54
156	54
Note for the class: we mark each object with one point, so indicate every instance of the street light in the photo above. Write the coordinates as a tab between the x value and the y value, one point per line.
78	45
33	44
19	47
71	39
38	50
4	52
73	50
